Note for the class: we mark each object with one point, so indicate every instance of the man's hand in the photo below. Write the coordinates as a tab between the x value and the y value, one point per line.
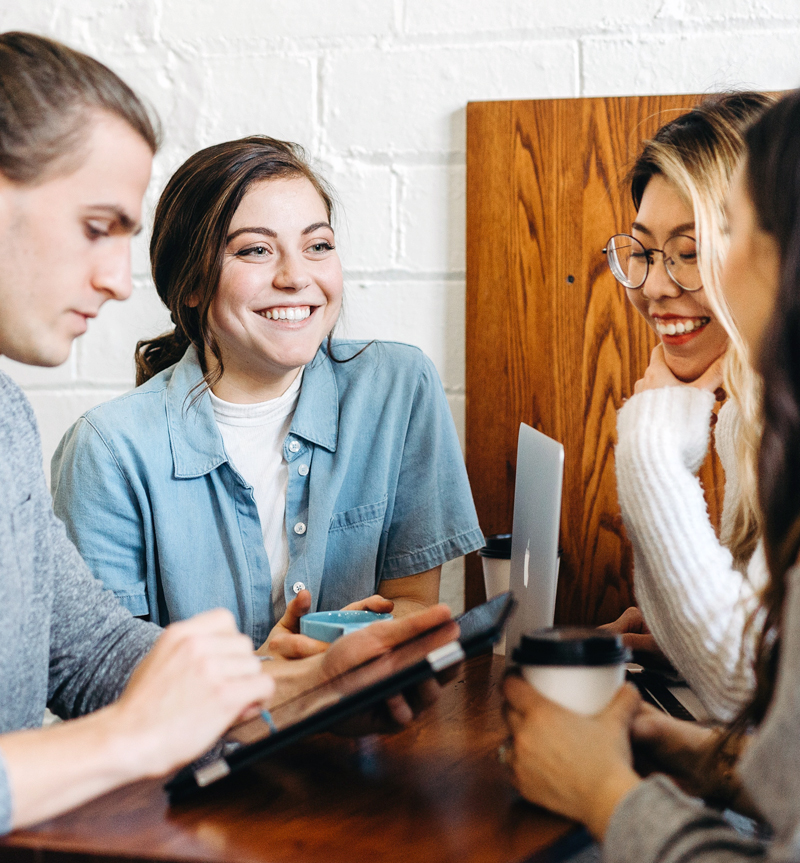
285	640
200	677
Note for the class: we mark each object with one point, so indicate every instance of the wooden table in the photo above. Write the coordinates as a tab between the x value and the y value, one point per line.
434	792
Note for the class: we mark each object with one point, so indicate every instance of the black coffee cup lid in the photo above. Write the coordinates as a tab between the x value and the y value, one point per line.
498	545
571	645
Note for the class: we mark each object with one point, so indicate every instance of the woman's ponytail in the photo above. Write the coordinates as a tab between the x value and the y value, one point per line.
154	355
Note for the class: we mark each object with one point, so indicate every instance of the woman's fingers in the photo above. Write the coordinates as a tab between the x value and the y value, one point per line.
711	379
376	603
631	620
291	646
624	706
399	710
297	608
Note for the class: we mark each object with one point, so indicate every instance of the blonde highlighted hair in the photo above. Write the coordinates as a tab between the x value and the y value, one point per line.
698	153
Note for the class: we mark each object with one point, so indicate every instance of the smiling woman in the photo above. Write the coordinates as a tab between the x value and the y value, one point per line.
262	465
696	591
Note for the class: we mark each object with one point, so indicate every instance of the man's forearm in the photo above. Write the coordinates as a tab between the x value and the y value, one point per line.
52	770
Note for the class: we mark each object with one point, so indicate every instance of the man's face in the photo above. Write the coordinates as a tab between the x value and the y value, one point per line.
65	243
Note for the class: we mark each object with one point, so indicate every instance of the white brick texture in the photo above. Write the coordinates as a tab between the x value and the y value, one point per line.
376	90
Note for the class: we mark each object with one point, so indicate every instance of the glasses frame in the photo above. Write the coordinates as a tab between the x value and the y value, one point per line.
648	262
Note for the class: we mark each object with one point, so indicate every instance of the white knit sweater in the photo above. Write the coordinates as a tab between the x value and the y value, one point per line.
693	598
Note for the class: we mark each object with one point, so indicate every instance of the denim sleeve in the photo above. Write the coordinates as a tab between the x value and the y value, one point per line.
5	798
96	502
433	518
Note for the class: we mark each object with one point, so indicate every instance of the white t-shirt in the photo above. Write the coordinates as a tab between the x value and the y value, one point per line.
253	436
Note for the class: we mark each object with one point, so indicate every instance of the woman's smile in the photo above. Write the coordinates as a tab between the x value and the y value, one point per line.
288	314
679	330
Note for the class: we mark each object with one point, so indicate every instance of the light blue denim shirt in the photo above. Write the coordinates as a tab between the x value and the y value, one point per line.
377	489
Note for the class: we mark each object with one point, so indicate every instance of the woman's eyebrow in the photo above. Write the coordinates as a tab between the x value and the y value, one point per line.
678	229
266	232
315	226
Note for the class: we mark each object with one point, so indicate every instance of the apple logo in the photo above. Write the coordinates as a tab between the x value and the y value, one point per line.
526	564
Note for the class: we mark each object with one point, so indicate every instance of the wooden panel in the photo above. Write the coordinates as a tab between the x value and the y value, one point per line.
551	339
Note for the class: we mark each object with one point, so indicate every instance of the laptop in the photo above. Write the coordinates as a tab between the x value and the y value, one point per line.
534	565
534	542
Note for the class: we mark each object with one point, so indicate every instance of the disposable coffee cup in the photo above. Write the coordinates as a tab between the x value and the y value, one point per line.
496	560
579	668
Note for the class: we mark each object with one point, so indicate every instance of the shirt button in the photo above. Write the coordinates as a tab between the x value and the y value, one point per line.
299	528
303	470
297	587
294	446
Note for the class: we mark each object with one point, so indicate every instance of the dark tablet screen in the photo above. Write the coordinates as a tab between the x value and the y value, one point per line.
353	691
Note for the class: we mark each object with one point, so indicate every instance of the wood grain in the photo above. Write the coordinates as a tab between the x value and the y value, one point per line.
551	339
435	792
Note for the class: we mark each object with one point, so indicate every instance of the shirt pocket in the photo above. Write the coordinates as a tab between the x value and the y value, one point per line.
364	517
354	544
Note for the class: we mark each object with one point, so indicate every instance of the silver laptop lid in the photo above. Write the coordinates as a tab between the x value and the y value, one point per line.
534	544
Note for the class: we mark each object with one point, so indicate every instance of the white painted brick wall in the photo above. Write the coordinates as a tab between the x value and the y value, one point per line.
376	91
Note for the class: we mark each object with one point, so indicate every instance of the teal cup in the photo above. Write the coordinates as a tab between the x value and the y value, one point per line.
329	625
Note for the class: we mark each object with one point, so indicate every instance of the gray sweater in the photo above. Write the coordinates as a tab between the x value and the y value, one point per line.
66	641
656	822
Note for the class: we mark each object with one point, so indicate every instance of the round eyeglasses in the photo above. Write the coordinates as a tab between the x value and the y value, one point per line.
630	262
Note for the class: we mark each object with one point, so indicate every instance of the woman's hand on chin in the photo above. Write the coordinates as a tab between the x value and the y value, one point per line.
577	766
285	640
659	375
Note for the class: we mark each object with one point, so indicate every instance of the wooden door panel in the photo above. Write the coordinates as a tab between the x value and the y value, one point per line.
551	339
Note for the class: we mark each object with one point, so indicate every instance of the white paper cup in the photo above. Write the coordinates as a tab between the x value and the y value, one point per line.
496	576
496	560
580	669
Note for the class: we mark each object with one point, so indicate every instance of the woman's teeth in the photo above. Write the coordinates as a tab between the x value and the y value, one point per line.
679	327
287	313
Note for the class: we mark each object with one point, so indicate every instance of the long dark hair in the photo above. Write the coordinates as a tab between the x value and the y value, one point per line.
47	93
189	232
773	183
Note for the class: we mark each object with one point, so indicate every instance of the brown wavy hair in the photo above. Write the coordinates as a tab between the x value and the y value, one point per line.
772	173
191	225
47	92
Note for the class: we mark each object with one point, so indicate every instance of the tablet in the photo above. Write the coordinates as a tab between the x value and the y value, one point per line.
406	664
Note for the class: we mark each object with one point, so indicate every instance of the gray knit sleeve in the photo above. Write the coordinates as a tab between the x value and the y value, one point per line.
95	643
65	617
5	798
657	823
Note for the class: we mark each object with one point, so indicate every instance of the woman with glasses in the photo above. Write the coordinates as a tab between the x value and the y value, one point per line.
582	766
695	590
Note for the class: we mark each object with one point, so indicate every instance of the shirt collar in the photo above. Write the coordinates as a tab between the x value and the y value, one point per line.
316	418
196	442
